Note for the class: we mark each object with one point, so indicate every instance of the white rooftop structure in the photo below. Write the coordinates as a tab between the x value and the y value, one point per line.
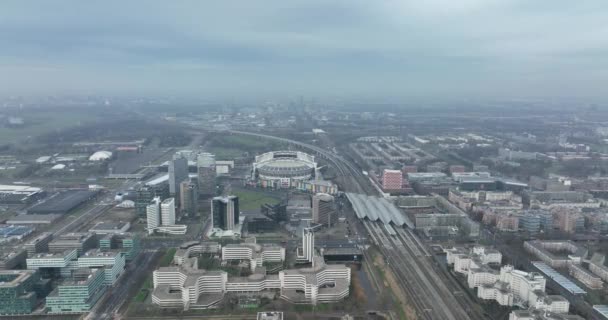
375	208
100	156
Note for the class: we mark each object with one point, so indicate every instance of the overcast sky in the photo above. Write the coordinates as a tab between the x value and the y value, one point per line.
477	48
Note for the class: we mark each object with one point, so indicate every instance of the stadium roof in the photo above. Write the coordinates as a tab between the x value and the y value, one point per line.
377	208
559	278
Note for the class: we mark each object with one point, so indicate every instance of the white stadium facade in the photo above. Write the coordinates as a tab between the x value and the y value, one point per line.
280	168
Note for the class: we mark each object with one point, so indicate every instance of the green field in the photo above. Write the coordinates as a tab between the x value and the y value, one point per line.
252	200
232	146
43	122
166	260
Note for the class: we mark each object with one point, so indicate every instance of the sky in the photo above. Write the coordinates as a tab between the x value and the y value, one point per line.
371	48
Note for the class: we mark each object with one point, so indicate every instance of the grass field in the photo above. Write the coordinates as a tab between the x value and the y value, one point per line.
166	260
250	200
41	122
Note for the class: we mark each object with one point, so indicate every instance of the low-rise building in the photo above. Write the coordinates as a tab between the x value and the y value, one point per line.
39	244
256	254
17	295
81	241
544	250
584	276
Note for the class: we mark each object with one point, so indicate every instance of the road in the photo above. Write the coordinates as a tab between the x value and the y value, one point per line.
117	295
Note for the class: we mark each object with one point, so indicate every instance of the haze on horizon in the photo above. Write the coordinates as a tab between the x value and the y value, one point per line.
464	48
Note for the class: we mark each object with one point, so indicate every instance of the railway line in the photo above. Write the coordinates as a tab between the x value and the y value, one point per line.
430	296
405	254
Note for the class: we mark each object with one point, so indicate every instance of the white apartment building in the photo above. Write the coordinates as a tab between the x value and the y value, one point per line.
513	287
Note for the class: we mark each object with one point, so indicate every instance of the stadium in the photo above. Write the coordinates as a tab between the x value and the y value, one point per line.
284	166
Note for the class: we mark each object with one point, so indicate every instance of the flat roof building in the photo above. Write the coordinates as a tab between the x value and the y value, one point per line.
78	294
17	295
82	241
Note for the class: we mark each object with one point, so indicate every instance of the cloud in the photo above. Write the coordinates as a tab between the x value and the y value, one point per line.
373	48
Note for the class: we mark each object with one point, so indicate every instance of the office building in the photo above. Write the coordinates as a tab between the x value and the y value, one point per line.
178	172
144	195
112	262
12	258
81	241
306	253
392	179
188	287
78	294
153	215
225	212
256	254
206	172
39	244
188	197
323	209
167	212
17	291
51	260
161	217
259	223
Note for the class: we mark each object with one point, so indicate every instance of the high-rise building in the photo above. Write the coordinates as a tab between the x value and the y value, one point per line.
308	244
161	217
167	212
323	209
205	164
188	197
144	194
153	215
392	179
225	212
178	172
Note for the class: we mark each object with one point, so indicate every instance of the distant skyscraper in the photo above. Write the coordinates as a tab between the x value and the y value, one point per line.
323	209
189	197
225	212
205	164
153	215
178	172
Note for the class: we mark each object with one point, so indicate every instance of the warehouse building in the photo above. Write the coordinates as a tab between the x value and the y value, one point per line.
63	202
